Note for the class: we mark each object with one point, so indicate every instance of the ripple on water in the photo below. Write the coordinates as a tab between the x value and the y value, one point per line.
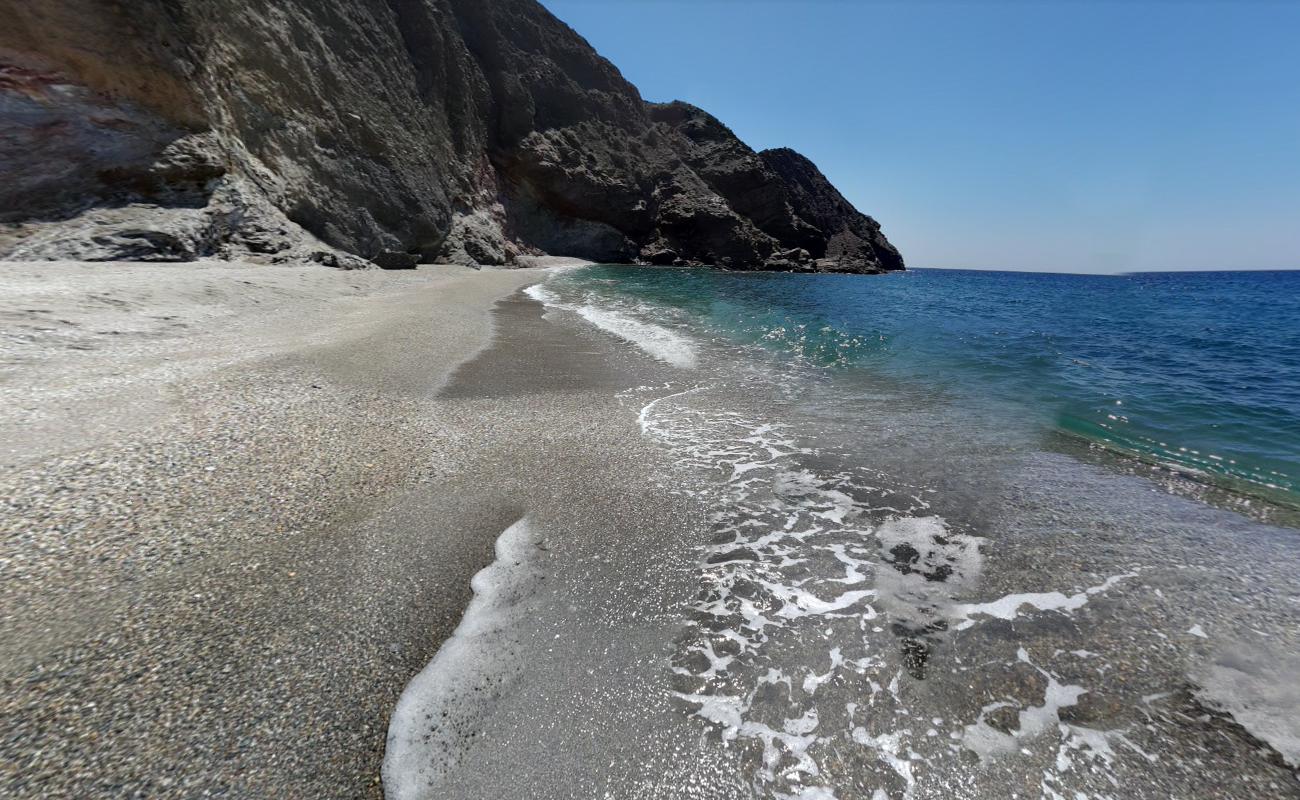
839	637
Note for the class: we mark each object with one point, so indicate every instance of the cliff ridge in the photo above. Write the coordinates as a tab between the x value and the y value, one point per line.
384	131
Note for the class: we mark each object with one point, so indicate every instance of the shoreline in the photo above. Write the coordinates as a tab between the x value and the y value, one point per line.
248	630
1045	565
223	575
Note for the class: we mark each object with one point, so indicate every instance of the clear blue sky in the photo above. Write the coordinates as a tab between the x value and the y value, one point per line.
1057	136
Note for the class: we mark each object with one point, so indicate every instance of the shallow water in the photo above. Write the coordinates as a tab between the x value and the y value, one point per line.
901	583
1199	371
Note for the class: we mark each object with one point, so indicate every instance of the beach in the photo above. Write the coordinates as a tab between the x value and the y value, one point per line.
239	520
437	401
297	532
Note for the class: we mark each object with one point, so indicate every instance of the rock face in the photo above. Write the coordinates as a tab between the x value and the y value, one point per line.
395	131
849	236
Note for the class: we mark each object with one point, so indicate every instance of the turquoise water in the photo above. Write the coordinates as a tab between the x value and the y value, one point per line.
1195	371
909	557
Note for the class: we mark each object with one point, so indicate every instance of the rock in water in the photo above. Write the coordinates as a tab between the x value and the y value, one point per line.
473	131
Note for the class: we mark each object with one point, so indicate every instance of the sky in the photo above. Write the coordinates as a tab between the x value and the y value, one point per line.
1061	135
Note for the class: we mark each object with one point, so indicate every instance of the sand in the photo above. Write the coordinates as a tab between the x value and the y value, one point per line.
243	505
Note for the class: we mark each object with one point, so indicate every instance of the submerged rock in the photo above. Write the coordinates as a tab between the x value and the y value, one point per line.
471	131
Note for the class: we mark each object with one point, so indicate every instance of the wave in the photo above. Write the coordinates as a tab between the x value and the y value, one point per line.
437	714
1166	371
654	340
827	597
1239	482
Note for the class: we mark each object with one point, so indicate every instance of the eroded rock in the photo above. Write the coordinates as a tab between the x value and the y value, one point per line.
470	131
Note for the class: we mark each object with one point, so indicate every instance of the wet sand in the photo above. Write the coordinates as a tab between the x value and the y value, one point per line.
221	576
240	524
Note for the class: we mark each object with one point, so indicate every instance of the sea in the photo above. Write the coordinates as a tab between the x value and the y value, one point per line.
970	533
1197	373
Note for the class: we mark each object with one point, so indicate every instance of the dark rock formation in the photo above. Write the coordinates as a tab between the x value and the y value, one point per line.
475	131
845	235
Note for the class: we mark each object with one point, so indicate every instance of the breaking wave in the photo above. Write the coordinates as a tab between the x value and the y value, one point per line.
654	340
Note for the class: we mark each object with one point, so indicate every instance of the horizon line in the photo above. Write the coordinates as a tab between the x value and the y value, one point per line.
1157	271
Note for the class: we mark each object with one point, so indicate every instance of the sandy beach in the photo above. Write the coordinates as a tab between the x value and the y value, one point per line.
240	516
295	532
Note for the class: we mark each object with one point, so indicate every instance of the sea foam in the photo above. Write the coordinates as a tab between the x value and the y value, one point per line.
1255	683
668	346
436	715
821	634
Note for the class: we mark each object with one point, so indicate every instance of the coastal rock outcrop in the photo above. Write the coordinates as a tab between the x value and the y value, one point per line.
384	131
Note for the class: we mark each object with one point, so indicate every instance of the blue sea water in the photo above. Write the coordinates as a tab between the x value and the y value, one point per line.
1199	372
942	535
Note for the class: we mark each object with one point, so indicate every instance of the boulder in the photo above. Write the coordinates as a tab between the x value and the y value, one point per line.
664	257
390	259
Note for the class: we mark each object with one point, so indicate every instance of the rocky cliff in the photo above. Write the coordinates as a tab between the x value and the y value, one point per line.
393	131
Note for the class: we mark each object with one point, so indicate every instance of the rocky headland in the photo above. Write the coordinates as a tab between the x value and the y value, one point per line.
388	132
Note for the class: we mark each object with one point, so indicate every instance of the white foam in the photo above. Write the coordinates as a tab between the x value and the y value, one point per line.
541	294
986	741
644	418
654	340
1256	684
438	710
663	344
921	593
1008	607
794	559
808	793
812	680
889	746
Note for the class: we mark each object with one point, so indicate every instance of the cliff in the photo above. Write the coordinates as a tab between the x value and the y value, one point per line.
390	130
